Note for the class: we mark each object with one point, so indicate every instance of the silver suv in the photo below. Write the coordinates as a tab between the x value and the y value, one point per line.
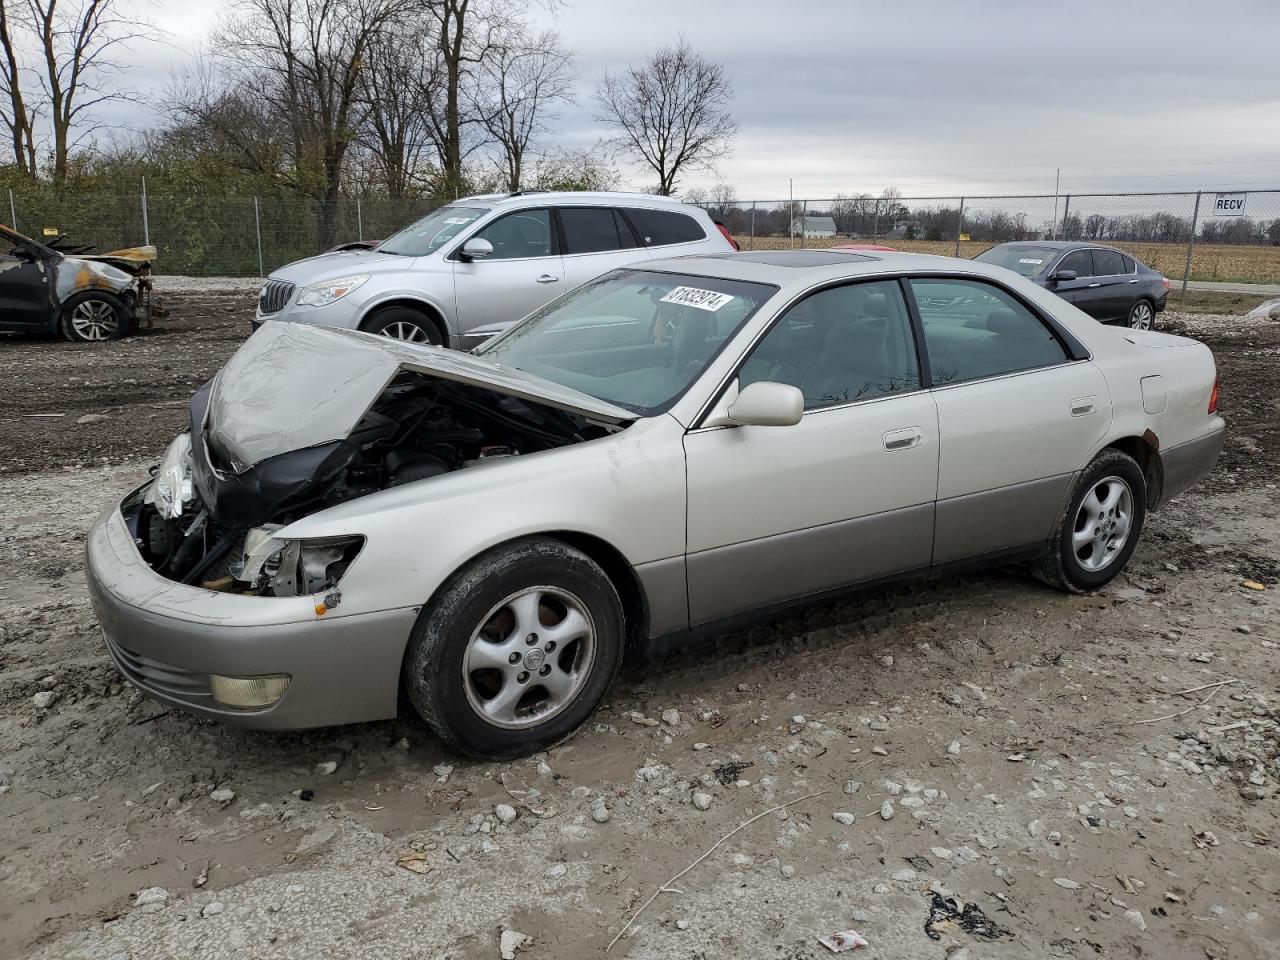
468	270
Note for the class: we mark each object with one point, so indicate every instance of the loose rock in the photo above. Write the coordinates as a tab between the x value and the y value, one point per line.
702	801
886	810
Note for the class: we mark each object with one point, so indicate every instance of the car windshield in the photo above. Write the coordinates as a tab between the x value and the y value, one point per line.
635	338
1026	259
431	232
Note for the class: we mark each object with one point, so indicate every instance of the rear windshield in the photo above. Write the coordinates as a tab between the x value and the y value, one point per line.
431	232
1027	260
635	338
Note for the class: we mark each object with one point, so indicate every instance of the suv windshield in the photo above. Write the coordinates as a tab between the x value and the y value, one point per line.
431	232
1026	259
636	338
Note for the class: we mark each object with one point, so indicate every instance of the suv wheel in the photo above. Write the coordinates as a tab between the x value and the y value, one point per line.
94	316
405	323
516	650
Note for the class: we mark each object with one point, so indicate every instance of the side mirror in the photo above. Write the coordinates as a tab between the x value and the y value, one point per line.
767	404
26	253
1060	275
477	248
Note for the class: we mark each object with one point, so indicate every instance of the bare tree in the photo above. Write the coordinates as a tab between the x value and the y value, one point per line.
590	169
16	115
671	113
722	199
303	61
520	85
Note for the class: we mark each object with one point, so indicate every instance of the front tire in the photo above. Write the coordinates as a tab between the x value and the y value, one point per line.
516	650
1099	530
94	316
1142	315
405	323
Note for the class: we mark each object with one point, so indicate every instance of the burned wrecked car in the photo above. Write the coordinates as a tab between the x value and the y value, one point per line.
83	297
660	450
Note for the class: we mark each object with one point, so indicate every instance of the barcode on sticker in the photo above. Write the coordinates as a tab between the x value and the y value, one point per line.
1030	260
698	299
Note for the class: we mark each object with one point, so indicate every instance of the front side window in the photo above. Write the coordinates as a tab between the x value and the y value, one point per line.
519	235
1081	261
431	232
660	227
1108	263
594	230
839	345
635	338
974	329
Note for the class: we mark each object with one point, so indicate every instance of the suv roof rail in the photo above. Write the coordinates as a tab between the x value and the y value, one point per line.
525	193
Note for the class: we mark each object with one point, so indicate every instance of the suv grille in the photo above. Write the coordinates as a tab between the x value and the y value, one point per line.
275	294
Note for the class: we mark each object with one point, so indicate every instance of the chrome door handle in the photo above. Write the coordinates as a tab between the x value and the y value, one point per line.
1133	281
903	439
548	278
1092	285
1082	406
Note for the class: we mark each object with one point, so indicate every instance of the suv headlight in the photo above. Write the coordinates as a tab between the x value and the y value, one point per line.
171	490
327	291
292	568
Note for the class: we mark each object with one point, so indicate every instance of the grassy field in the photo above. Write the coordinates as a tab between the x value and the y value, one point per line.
1211	261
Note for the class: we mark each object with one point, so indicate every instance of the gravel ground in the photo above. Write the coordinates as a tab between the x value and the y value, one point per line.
995	723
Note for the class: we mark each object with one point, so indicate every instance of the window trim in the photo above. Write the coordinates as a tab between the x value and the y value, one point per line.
454	255
1075	351
723	386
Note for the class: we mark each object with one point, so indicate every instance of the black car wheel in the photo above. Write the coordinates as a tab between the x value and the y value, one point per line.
405	323
1099	530
1142	315
94	316
516	650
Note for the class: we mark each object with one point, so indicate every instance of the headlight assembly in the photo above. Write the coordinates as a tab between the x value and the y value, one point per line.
327	291
292	568
171	490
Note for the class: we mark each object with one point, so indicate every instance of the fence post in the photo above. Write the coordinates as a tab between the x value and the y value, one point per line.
257	229
875	224
359	221
804	222
13	214
146	225
1191	241
751	240
960	226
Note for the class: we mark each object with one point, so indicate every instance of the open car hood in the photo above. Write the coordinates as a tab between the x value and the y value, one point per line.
293	385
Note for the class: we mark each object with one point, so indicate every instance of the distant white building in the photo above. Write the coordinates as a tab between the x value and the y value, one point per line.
813	228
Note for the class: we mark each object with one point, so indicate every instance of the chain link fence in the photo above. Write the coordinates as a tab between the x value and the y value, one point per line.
1198	235
1201	235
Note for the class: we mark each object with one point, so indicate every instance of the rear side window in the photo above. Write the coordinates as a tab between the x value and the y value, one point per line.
974	330
1081	261
594	230
1108	263
660	227
1129	265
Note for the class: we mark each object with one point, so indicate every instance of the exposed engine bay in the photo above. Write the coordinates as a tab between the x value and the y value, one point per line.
210	521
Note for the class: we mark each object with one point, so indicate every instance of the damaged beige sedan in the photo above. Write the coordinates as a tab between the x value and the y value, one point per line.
663	450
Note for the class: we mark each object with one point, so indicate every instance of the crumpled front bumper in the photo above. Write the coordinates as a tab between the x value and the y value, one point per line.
167	638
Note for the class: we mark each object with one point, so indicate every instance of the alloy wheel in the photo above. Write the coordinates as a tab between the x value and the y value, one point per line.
529	658
1141	315
94	320
405	330
1102	524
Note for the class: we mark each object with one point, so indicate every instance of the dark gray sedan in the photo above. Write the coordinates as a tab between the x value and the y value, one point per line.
1105	283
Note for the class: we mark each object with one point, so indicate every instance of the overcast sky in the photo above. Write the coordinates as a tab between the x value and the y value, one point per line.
932	97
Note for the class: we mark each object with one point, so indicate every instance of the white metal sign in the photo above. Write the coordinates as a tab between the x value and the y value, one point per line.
1229	204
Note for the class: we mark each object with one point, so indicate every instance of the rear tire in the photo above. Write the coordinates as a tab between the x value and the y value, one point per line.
478	679
1142	315
405	323
1100	528
94	316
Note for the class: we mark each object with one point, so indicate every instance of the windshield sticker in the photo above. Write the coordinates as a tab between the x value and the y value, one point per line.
698	299
1031	260
459	221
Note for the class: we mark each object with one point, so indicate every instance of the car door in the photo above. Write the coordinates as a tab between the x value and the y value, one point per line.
844	496
596	240
1017	416
1114	294
523	272
24	288
1083	291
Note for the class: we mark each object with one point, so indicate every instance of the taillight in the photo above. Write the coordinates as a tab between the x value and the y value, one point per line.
1165	281
1213	397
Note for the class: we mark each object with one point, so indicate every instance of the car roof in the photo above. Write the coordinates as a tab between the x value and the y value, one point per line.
535	198
1057	245
806	267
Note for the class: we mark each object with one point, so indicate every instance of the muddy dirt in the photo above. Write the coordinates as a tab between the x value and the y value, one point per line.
995	721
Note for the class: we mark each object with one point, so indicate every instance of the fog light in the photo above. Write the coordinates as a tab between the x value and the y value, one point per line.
248	691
